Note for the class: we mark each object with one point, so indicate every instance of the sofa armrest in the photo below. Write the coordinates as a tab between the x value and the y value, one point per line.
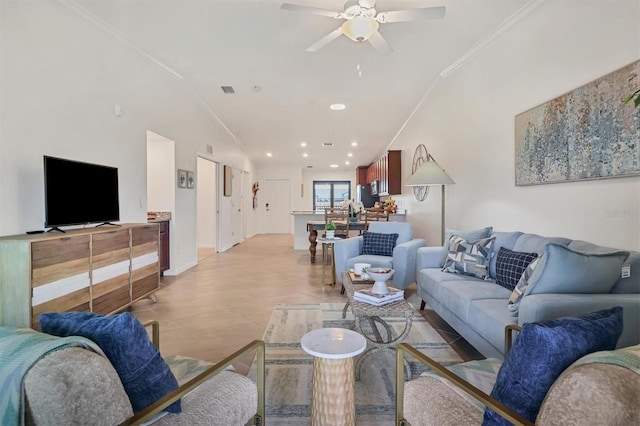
429	257
343	250
403	348
404	262
538	307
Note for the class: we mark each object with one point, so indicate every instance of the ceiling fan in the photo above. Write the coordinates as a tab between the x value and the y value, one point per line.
362	21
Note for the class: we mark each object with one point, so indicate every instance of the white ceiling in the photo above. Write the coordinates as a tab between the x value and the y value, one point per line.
247	43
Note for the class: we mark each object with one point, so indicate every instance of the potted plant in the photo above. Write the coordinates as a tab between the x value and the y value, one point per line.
329	229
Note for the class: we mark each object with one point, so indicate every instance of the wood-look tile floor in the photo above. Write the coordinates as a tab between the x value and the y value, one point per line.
224	302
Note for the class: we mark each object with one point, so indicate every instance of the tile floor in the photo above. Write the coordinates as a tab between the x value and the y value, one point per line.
224	302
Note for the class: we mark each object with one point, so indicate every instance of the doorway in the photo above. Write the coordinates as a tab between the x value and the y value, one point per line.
207	207
277	207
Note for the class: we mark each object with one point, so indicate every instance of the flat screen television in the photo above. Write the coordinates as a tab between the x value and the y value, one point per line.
77	193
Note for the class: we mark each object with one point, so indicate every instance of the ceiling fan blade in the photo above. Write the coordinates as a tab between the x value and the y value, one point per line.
411	14
314	10
325	40
380	43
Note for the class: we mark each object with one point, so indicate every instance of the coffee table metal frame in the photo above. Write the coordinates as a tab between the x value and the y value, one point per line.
374	315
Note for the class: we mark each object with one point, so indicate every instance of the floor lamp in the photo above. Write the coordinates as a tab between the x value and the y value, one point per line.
430	173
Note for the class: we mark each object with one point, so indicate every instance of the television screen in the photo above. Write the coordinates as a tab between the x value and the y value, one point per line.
78	193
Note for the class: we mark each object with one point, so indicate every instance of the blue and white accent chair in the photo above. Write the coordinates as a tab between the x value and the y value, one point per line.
403	259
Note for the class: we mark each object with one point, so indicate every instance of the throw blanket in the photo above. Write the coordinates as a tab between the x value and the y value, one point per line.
20	349
628	357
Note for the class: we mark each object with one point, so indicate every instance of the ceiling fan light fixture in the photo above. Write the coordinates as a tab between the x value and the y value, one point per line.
360	28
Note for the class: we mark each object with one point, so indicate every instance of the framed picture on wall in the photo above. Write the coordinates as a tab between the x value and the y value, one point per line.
227	181
191	180
182	178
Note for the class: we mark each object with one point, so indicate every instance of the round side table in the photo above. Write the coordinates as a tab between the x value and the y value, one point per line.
332	392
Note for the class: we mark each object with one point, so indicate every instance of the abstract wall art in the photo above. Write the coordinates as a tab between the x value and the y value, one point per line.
585	134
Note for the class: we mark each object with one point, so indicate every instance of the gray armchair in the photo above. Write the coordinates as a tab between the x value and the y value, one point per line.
349	252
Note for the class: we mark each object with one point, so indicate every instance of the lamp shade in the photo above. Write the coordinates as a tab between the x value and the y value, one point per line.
429	173
360	28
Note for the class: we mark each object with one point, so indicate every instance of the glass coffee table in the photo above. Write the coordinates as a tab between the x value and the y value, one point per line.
373	315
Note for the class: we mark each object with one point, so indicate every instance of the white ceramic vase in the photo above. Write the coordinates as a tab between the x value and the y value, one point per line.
330	233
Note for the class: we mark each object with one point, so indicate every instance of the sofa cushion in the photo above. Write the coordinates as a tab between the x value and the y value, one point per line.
374	261
470	235
124	340
431	280
403	229
378	244
542	351
469	258
458	295
488	317
532	243
625	285
510	265
75	386
564	270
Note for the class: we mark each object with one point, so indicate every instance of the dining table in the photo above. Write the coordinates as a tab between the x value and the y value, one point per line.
313	226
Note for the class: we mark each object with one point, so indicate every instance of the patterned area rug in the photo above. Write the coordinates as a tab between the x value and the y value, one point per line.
289	368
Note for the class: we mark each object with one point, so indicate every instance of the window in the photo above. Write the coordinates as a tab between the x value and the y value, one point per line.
330	193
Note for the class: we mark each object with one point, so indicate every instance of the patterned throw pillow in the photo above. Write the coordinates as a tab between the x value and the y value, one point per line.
378	244
542	351
521	287
469	258
510	265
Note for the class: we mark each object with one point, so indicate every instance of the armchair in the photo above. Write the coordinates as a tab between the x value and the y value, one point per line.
74	385
599	388
403	261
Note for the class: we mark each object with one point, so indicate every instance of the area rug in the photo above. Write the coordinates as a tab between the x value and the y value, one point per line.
289	368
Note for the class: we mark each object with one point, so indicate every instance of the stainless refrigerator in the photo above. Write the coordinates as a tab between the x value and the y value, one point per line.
363	195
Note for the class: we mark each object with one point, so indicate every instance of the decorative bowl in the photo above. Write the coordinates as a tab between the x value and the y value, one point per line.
380	276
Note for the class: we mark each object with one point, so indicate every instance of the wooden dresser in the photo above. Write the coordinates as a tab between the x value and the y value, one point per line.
100	270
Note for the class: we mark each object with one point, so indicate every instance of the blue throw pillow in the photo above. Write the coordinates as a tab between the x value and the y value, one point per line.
510	265
378	244
542	351
566	270
146	377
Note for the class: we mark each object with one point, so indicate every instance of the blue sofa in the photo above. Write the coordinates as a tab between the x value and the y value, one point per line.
478	309
349	252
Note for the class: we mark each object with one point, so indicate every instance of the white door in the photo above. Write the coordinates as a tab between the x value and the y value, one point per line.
206	197
277	207
237	205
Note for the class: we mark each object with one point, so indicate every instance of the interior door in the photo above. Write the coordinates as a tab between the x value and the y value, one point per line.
277	206
237	200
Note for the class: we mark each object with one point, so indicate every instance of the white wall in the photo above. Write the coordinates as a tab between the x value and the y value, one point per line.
60	79
467	124
206	185
161	173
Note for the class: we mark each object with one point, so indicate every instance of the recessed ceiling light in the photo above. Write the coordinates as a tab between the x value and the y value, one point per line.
303	144
269	154
333	165
305	155
354	143
349	155
337	107
347	163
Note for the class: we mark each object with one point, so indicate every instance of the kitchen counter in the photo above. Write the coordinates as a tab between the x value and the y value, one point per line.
301	218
